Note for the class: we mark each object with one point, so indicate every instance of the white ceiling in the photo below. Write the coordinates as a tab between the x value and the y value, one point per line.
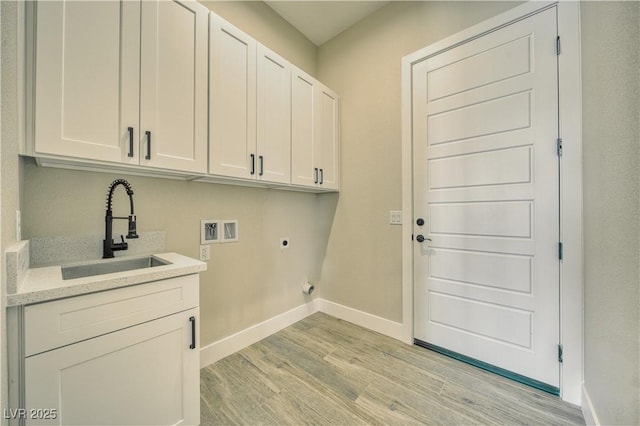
322	20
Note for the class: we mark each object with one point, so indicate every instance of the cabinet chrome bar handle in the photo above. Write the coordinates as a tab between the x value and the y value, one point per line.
321	176
130	129
261	165
315	175
192	320
253	164
148	156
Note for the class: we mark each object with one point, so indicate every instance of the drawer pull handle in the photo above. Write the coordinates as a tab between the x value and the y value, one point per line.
192	320
315	175
253	164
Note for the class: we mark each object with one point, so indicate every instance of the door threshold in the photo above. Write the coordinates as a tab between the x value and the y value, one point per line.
490	368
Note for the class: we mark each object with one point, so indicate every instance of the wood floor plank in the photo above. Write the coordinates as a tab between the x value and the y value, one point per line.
323	370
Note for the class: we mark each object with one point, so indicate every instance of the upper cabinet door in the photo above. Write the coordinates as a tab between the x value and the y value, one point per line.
173	85
273	117
315	133
232	113
329	146
87	79
304	132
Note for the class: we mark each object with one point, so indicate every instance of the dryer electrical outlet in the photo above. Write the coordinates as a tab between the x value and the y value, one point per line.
285	243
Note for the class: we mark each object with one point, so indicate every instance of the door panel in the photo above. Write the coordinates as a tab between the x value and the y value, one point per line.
143	375
485	120
489	117
499	167
174	85
232	115
87	79
329	137
274	117
454	78
304	135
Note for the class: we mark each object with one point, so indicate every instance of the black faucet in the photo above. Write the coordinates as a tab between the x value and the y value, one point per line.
108	245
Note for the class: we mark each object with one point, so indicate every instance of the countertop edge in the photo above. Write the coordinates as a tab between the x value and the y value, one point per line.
181	265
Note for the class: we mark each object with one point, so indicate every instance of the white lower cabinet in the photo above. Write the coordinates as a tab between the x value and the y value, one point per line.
127	356
141	375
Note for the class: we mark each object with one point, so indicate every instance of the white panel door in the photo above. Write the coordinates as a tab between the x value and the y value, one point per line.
305	104
232	114
273	146
87	78
174	85
329	134
486	184
142	375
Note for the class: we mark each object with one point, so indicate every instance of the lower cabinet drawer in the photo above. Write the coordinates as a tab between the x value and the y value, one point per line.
50	325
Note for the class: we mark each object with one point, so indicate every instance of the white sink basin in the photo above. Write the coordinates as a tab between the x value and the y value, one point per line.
110	266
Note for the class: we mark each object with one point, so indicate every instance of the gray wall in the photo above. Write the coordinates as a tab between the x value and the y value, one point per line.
10	171
363	268
611	143
246	282
362	264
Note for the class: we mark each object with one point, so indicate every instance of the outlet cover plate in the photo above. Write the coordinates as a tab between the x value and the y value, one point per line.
209	231
205	252
395	217
229	229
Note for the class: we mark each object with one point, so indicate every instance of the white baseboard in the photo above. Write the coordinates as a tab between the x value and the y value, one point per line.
240	340
372	322
588	411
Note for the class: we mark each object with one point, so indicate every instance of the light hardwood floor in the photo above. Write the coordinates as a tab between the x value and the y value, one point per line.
322	370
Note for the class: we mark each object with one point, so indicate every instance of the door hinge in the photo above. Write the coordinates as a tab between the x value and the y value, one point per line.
558	49
559	147
560	250
560	359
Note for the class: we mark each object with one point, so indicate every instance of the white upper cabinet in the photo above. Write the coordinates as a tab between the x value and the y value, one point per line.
87	79
329	146
304	137
108	72
232	118
250	115
173	86
315	133
168	88
273	147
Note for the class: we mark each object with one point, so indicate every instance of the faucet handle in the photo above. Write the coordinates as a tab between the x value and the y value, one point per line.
120	246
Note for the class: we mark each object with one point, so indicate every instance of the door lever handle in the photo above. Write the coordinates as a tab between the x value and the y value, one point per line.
421	238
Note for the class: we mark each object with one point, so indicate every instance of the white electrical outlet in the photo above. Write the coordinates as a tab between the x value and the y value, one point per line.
205	252
285	243
395	217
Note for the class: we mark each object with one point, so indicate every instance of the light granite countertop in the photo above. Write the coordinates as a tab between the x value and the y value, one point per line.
43	284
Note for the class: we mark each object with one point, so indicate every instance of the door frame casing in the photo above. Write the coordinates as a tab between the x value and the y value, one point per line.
571	228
